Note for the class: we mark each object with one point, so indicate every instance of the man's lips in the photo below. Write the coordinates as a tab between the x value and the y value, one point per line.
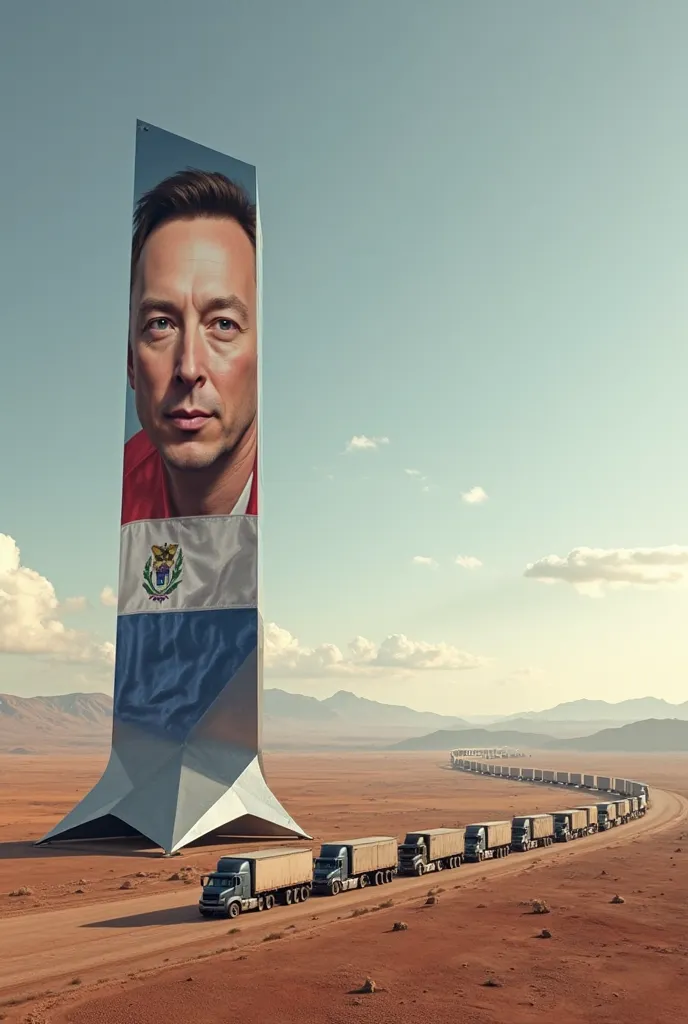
188	419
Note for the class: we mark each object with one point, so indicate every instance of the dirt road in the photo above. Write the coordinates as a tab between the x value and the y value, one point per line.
42	952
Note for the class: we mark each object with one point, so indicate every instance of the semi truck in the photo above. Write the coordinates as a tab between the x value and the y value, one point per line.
548	776
257	881
604	783
575	779
431	850
591	813
486	840
531	831
606	816
354	863
537	774
590	781
562	778
570	824
514	772
527	774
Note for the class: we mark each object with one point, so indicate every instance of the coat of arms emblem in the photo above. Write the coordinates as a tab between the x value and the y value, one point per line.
163	572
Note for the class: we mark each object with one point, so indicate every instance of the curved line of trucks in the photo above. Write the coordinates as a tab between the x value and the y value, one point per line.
286	875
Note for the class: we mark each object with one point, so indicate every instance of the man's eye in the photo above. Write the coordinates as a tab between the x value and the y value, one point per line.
161	323
225	324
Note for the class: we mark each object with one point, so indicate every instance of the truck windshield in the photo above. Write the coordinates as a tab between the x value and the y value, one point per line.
222	881
326	863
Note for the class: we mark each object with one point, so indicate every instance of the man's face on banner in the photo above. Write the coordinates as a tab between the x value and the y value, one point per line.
193	339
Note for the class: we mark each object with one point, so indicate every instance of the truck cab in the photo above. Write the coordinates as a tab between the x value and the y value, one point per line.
222	888
476	843
331	868
521	837
413	857
562	827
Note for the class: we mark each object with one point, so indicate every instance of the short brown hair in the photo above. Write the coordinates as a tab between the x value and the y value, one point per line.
186	195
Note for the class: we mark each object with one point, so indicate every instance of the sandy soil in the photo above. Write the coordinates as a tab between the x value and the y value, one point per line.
107	954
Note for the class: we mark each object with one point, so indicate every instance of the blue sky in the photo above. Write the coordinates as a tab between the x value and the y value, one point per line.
474	223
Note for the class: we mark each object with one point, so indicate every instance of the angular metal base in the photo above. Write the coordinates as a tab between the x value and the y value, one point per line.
175	795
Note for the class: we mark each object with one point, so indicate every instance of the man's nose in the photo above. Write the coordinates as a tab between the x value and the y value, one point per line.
191	357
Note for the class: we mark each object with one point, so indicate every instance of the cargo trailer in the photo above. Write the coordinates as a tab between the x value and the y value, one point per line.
492	769
548	776
486	840
537	774
527	774
355	863
591	812
531	831
431	850
514	772
590	781
623	810
562	778
575	779
619	786
257	881
604	783
570	824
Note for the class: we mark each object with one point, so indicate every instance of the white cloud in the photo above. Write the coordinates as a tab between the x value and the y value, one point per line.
108	597
475	496
284	655
424	560
592	571
29	615
361	443
413	472
74	604
468	562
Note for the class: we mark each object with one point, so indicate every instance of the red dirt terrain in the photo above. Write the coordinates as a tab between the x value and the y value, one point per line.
143	953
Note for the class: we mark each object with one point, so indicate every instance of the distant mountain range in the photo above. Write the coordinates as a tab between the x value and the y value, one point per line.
344	721
665	735
637	709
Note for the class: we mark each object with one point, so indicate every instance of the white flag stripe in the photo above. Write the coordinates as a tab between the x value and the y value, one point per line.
214	564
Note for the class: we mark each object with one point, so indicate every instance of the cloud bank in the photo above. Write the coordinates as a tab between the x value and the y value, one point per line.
593	571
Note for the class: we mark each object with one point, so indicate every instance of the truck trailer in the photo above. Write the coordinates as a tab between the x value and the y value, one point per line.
570	824
354	863
604	783
591	812
531	831
257	881
514	772
537	774
623	810
562	778
486	840
575	779
431	850
527	774
606	816
548	776
590	781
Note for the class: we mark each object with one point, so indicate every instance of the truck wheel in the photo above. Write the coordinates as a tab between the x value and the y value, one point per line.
389	876
439	865
261	903
288	897
297	895
269	902
337	888
365	881
420	870
233	910
305	894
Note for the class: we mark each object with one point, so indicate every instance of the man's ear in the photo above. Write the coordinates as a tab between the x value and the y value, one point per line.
130	367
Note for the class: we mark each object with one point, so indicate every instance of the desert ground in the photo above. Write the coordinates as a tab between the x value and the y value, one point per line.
111	933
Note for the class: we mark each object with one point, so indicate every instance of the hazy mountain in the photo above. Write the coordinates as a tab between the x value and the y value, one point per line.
548	727
347	707
636	710
666	735
449	739
74	720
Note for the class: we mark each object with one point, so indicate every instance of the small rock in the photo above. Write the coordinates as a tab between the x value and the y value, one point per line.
492	983
399	926
368	985
79	892
142	874
127	884
540	907
545	934
431	900
618	899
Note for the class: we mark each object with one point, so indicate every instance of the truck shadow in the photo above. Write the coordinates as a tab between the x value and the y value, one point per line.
173	915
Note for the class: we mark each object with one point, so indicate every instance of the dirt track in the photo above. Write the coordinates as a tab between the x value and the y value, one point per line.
43	951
